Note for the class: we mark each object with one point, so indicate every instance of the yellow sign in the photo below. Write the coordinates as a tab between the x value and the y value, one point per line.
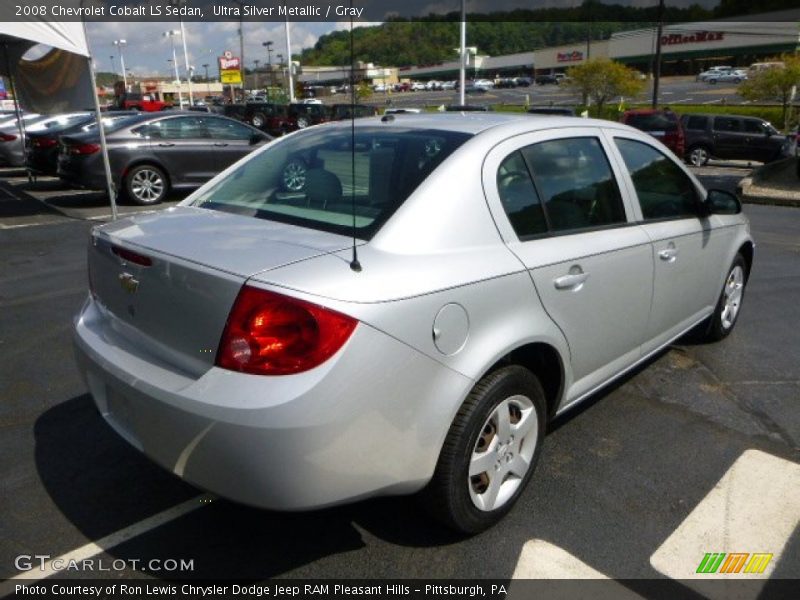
230	76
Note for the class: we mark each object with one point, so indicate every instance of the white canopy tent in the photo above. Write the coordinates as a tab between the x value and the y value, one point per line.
61	80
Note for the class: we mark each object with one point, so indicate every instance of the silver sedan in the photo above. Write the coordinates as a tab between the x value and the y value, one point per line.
401	306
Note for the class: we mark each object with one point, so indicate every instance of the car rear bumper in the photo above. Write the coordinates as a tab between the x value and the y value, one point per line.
370	421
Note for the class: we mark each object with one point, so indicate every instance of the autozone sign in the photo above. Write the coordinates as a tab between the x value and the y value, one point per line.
672	39
228	62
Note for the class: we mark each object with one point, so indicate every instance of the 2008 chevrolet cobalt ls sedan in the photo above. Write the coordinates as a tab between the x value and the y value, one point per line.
507	267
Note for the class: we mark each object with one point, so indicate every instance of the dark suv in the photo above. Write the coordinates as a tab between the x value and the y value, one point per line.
730	137
268	116
305	115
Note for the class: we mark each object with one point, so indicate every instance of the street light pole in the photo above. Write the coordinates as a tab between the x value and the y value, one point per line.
256	62
113	66
186	62
268	46
205	66
119	44
289	62
171	35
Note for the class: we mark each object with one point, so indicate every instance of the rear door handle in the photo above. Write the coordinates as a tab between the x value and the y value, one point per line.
668	254
166	144
573	281
220	144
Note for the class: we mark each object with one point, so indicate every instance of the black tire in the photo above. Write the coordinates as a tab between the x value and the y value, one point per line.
719	327
146	184
258	120
698	155
449	495
302	122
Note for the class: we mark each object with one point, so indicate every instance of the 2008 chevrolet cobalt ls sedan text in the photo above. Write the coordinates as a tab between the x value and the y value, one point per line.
509	267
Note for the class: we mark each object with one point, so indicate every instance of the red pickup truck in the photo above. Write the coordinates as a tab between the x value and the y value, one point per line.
143	102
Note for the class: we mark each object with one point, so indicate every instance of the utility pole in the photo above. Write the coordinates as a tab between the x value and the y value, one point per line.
171	35
256	62
657	65
268	46
205	66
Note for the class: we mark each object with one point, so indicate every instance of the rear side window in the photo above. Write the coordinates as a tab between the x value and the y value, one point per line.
664	190
727	124
575	183
178	128
519	197
751	126
697	123
223	129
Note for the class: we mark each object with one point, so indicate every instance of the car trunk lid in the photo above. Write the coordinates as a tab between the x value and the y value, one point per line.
166	282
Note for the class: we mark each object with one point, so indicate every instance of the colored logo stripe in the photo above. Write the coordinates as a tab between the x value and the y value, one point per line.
713	562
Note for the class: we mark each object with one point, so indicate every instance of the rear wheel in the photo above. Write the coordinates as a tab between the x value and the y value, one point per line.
698	156
146	184
294	176
302	122
730	302
258	120
490	451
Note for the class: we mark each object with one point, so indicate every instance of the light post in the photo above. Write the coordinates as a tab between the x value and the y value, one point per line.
289	61
113	66
268	46
280	66
120	44
171	35
256	62
205	66
462	71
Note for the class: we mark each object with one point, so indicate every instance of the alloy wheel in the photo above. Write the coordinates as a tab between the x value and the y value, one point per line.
734	288
698	156
503	453
294	176
147	186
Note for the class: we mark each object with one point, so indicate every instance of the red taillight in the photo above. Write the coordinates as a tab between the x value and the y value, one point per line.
43	142
132	257
7	137
83	148
271	334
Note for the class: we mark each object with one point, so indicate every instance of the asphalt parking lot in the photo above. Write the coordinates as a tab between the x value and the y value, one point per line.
697	451
674	91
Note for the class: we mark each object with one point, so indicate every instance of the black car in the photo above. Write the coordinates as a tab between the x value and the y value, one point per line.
303	115
154	153
41	152
730	137
564	111
342	112
546	80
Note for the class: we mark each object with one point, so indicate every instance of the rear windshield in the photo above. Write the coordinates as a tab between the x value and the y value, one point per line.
654	122
319	178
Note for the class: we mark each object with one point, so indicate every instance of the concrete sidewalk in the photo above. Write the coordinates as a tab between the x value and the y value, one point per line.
775	183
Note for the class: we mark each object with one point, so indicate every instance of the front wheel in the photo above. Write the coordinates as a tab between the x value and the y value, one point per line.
490	451
730	302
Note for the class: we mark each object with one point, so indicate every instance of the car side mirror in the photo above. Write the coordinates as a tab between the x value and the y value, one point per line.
720	202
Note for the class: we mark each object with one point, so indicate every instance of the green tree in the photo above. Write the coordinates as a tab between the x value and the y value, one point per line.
363	91
601	80
775	85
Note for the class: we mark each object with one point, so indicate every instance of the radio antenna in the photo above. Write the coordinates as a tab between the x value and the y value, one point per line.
354	264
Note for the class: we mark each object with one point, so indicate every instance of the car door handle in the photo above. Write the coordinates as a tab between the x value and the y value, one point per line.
220	144
668	254
573	281
166	144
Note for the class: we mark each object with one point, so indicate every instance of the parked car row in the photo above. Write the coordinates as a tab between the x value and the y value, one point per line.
700	137
279	119
150	153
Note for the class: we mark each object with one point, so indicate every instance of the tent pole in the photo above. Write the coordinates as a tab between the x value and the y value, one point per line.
103	148
17	110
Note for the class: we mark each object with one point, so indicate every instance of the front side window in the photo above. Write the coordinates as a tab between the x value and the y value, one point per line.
574	180
176	128
664	190
321	178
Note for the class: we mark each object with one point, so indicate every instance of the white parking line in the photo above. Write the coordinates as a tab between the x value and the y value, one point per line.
114	539
753	509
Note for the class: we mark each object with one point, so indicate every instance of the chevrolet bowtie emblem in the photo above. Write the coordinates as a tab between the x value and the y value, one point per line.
128	283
